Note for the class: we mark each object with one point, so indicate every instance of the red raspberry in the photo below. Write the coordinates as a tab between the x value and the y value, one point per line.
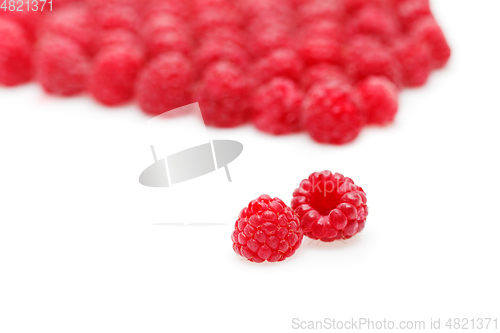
315	10
27	20
277	106
415	60
174	8
15	55
366	57
113	75
117	17
374	20
162	22
330	206
321	42
213	51
73	21
282	62
409	11
116	37
164	84
222	94
331	113
210	18
263	42
428	32
169	41
379	99
62	66
266	229
324	72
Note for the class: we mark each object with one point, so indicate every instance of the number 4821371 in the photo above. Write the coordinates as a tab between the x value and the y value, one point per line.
21	6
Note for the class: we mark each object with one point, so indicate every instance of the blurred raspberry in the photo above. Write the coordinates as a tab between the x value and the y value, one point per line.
376	21
117	17
223	95
324	72
321	42
277	106
62	66
213	51
162	22
266	229
113	74
330	206
169	41
409	11
282	62
225	17
331	114
428	32
116	37
15	54
262	42
73	21
27	20
315	10
366	57
378	99
415	60
164	84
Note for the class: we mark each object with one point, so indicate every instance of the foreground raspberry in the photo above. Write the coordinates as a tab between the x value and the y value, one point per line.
266	230
276	107
330	206
331	113
379	100
164	84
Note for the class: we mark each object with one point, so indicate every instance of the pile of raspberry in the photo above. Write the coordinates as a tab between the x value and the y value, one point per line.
327	67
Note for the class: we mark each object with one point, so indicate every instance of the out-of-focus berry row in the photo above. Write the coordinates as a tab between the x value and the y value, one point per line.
328	67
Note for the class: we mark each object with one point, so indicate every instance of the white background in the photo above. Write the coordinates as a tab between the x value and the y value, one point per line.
84	247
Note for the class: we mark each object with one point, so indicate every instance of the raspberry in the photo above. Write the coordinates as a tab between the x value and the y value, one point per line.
415	60
15	55
321	42
276	107
222	94
266	229
409	11
264	41
330	206
62	66
282	62
379	99
169	41
316	10
162	22
27	20
113	75
428	32
164	84
214	51
367	57
73	22
324	72
374	20
331	114
116	37
226	17
117	17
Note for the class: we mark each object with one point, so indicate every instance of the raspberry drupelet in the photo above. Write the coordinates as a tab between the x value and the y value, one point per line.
330	206
331	113
267	229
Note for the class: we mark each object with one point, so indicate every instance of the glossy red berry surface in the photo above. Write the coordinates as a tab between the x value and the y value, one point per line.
330	206
15	55
266	230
